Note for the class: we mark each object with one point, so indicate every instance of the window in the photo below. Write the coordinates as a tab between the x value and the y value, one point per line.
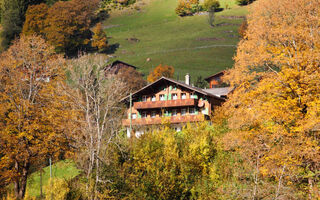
167	113
183	111
144	114
174	96
194	96
162	97
144	98
192	111
134	116
153	98
153	114
183	96
174	112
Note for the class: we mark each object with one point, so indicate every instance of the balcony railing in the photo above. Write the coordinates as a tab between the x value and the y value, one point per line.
160	120
164	104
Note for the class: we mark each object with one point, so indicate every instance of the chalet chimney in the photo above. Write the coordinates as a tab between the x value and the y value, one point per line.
187	79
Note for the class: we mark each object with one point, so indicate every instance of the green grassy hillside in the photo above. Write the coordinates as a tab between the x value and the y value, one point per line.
189	44
63	169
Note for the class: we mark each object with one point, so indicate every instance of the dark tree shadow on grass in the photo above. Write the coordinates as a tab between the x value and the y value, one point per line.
111	48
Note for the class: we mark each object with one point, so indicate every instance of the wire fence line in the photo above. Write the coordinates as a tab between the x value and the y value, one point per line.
180	49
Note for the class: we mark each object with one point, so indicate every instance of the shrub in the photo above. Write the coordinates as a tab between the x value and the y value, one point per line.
183	8
244	2
211	5
165	164
56	189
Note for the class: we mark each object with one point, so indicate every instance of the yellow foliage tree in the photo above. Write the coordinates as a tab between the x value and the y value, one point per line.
99	38
34	115
276	105
56	189
159	71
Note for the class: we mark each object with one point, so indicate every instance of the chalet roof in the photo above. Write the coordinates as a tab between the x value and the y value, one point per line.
215	75
119	61
161	81
223	91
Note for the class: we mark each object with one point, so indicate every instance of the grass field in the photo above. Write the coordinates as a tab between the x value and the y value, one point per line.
62	169
189	44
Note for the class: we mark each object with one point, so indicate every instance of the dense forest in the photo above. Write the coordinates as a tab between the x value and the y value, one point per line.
56	103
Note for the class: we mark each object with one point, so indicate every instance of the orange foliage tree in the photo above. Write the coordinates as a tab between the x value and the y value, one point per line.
35	19
99	38
159	71
34	115
66	24
275	108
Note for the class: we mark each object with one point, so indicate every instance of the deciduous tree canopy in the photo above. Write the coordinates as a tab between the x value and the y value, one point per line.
276	104
34	115
66	25
159	71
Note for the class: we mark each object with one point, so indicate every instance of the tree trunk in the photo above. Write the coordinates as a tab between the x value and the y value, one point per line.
20	183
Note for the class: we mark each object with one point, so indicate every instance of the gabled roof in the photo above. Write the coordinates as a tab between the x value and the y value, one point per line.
215	75
119	61
224	91
158	83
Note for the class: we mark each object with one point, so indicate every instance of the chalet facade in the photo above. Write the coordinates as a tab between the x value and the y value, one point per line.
166	99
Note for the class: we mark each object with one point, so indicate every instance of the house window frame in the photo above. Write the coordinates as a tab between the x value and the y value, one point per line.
144	98
174	112
153	114
183	95
144	114
183	112
192	110
162	97
153	98
174	96
134	116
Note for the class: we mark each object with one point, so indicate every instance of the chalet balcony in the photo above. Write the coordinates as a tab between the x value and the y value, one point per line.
164	104
159	120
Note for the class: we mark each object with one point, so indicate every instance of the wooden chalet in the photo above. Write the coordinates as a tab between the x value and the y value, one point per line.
177	102
114	67
215	79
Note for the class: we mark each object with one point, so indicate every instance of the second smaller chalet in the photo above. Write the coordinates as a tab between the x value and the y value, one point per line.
179	102
116	66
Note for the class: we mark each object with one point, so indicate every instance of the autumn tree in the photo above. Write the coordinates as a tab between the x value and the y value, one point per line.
159	71
275	108
97	99
35	118
132	78
99	38
65	25
35	19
